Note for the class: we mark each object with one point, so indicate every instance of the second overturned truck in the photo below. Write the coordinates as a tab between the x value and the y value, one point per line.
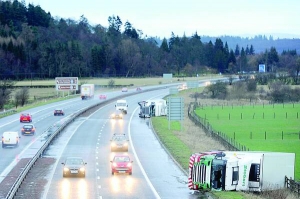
240	170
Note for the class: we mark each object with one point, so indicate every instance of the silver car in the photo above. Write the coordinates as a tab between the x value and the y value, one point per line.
74	166
119	142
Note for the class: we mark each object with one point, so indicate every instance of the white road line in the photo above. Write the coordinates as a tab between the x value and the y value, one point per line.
35	113
138	160
63	148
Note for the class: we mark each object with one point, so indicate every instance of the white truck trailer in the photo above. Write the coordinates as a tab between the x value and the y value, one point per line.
87	91
154	107
241	170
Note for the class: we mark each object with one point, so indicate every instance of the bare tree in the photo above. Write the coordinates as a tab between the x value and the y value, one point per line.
6	87
24	95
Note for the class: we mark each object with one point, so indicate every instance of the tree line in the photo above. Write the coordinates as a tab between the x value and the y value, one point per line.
33	44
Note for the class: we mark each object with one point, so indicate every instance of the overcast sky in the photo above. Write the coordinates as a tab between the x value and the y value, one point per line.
208	17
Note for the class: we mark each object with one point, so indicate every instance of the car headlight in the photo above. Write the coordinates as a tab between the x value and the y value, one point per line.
129	164
114	164
82	169
66	169
113	144
125	144
113	115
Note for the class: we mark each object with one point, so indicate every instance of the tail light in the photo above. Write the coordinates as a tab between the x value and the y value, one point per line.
2	138
22	130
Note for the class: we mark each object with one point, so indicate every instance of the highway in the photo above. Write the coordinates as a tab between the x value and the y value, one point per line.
154	173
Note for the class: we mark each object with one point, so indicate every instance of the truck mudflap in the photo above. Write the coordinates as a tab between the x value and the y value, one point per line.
191	185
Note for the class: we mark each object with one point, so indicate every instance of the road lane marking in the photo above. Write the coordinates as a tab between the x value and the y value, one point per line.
137	159
62	150
36	112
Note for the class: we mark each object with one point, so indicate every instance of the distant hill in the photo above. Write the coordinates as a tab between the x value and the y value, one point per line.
260	43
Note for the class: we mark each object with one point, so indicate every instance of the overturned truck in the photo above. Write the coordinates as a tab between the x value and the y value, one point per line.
152	108
240	170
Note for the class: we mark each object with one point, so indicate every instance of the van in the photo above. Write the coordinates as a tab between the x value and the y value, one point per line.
10	138
122	106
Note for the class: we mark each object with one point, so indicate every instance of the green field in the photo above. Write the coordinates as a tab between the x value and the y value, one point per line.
259	128
118	81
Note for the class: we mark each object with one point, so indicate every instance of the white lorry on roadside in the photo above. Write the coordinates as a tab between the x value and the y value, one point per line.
152	108
87	91
121	105
241	170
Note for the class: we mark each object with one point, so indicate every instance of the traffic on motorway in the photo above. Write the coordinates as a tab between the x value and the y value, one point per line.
91	141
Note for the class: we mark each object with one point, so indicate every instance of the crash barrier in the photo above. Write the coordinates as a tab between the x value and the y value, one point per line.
7	112
292	185
12	192
228	142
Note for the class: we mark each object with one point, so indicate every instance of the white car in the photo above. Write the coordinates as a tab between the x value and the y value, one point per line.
124	89
10	138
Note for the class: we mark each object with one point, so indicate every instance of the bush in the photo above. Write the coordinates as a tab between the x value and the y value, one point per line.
111	83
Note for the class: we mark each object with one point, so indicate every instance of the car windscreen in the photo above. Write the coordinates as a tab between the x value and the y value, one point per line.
118	138
121	104
121	159
74	161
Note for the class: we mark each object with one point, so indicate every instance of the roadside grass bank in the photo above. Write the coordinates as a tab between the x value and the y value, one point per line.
274	127
37	104
149	81
182	141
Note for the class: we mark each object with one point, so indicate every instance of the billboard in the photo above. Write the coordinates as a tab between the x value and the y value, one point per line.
261	68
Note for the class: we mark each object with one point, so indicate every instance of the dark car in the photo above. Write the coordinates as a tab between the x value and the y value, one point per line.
117	114
119	142
28	129
121	164
59	111
74	166
25	117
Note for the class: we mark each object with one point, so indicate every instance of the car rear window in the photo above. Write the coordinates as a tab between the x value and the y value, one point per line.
122	159
27	126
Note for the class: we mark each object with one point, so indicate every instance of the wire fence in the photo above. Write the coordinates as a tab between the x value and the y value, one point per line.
293	186
231	144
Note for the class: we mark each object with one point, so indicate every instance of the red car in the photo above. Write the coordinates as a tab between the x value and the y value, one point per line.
121	164
102	96
25	117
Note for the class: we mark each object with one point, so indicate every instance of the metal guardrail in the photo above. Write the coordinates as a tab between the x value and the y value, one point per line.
6	112
21	177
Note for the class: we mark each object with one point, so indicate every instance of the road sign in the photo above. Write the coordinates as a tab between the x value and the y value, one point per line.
175	108
192	84
66	83
173	91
